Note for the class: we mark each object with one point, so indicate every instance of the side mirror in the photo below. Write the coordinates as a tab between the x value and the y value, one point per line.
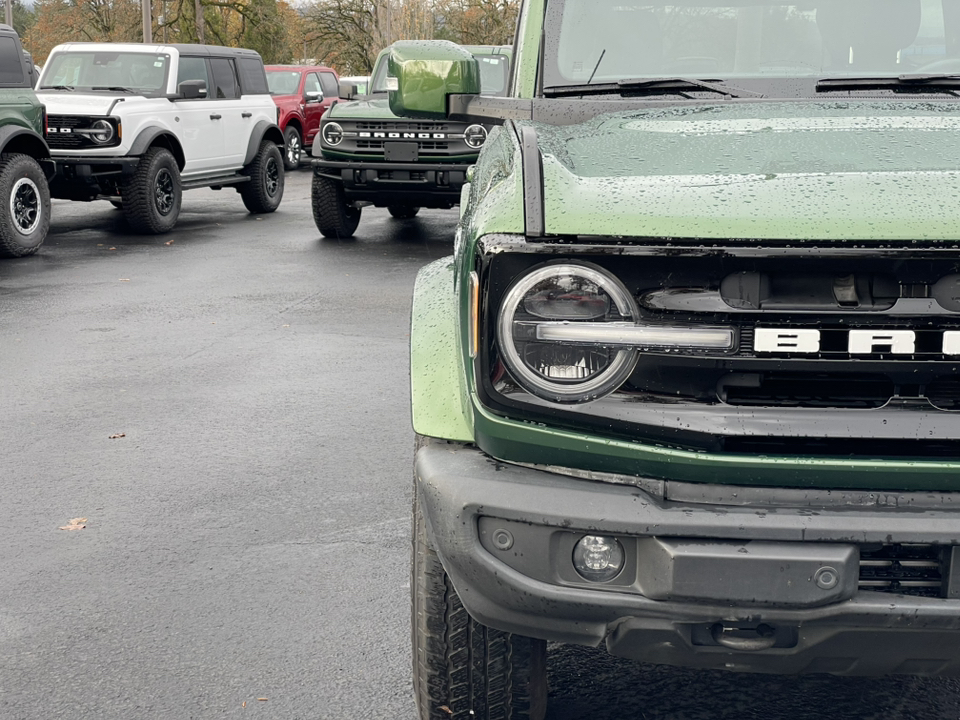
425	73
313	96
348	91
192	89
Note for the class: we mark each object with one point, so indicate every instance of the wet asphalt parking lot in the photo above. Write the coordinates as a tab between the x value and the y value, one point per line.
247	535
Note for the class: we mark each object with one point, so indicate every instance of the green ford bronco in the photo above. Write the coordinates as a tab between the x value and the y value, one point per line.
25	163
689	386
366	155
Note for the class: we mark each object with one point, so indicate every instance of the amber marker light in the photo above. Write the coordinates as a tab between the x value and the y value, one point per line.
473	329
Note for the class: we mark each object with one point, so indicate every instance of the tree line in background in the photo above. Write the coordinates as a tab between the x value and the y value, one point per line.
345	34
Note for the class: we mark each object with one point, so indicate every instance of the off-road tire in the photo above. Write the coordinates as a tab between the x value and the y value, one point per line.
24	205
403	212
265	190
463	670
292	148
153	194
333	216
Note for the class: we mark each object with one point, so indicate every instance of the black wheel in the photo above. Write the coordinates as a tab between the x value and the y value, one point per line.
152	195
293	148
403	212
333	216
463	670
24	205
265	190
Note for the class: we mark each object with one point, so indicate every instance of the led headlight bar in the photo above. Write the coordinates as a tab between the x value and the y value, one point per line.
640	336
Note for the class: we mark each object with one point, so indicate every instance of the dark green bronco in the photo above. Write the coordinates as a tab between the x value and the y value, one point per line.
25	161
366	155
689	386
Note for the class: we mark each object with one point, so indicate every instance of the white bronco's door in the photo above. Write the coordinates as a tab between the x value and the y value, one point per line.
234	115
200	121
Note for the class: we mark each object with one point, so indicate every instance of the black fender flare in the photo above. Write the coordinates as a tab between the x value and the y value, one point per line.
19	139
156	135
263	130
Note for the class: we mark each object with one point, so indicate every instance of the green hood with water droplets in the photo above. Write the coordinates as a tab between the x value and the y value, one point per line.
771	171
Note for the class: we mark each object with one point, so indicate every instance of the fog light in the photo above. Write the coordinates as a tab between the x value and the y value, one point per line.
598	558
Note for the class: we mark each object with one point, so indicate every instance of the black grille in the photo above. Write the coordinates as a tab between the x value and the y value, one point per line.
59	138
880	403
403	127
423	144
903	569
809	390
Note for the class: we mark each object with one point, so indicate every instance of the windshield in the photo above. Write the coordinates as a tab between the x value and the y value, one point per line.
602	41
143	73
494	73
283	82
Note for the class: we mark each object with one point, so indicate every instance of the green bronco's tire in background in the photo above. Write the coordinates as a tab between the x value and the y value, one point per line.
24	205
463	670
403	212
265	190
152	195
334	218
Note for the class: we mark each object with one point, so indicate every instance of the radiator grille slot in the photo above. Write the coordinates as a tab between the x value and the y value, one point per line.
903	569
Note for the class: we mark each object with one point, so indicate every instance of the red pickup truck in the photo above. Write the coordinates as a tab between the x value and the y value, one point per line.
302	93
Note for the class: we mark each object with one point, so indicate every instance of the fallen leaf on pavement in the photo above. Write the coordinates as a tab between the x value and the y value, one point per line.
75	524
262	699
169	242
111	248
124	279
244	704
447	710
116	435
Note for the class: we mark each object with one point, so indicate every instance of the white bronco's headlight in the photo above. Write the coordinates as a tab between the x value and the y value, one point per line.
101	132
570	332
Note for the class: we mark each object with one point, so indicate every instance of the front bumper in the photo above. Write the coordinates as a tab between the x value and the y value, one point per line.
84	178
393	183
466	496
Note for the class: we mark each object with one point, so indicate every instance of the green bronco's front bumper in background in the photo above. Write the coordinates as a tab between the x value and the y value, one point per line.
714	577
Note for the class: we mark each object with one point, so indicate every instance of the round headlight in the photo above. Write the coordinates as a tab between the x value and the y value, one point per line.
475	136
566	294
332	133
101	132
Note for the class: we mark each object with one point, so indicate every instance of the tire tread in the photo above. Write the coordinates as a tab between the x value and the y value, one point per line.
254	193
12	167
464	670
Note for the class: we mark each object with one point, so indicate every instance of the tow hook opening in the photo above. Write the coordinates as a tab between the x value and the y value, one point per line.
753	637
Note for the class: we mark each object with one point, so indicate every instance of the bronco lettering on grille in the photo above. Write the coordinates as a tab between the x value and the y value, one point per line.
859	342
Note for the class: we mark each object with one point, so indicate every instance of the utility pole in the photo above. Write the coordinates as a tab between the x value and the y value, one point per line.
8	12
147	22
199	14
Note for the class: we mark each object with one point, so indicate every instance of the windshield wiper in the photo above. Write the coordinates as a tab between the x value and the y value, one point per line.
933	82
58	87
653	84
115	88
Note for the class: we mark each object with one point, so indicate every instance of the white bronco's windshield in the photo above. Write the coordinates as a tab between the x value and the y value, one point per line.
142	73
602	41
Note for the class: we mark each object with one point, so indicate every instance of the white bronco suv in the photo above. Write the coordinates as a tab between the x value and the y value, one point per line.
137	124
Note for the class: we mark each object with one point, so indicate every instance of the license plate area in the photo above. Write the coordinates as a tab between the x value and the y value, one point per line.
401	152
